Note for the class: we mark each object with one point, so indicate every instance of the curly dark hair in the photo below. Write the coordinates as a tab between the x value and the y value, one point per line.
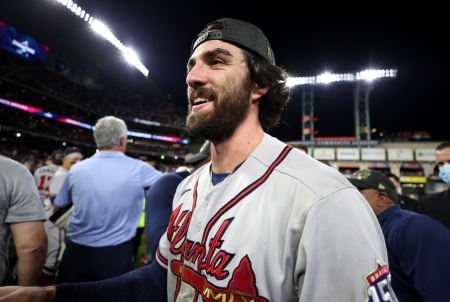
264	74
274	102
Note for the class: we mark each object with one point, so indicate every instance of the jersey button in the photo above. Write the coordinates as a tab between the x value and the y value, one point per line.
199	227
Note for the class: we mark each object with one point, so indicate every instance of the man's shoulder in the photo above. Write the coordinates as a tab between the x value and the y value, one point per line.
61	171
306	170
444	195
9	163
135	161
176	176
420	222
12	169
297	168
171	178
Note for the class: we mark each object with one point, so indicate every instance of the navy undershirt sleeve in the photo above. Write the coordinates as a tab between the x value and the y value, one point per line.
148	283
158	206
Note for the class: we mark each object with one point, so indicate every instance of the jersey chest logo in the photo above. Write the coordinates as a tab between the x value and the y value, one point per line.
241	287
207	255
211	260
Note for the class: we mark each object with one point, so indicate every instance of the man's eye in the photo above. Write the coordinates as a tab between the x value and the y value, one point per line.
217	61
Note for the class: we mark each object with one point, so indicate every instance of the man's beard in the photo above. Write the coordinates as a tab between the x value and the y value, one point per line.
227	114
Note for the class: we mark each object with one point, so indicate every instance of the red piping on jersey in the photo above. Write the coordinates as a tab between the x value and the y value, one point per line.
158	254
177	290
246	191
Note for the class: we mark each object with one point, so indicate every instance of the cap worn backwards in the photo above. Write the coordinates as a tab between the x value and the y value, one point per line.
239	32
370	179
57	157
72	152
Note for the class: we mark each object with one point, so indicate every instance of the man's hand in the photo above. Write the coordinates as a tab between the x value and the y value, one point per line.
27	294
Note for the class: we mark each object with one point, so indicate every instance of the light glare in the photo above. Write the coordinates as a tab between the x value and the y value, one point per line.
367	75
103	30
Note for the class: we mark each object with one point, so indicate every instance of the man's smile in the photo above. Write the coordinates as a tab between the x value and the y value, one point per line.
200	103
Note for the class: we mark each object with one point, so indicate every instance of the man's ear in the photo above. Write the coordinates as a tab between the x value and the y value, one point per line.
382	198
258	92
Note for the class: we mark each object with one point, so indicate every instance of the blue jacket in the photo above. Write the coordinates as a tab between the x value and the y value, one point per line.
419	255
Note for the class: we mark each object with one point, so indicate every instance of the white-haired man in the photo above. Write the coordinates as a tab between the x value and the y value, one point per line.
107	191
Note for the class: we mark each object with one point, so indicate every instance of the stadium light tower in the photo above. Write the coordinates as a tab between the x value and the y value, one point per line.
103	30
361	98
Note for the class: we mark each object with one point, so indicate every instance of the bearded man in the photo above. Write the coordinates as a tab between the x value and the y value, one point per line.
262	221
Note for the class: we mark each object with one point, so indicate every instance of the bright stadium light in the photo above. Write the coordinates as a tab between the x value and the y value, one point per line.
367	75
133	59
77	10
104	31
372	74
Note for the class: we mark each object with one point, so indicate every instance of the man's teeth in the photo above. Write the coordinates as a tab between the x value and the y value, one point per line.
200	100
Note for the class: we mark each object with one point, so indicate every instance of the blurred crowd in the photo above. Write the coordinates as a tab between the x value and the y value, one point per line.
34	85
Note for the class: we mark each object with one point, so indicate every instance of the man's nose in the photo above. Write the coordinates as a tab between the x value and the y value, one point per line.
197	76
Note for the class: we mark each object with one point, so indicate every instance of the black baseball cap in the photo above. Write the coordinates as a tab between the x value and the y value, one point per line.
204	152
371	179
71	150
239	32
57	157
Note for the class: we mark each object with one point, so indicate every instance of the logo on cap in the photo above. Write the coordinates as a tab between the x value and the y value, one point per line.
363	174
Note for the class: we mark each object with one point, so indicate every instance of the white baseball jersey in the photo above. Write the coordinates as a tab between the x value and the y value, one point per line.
55	185
58	180
282	227
43	177
55	235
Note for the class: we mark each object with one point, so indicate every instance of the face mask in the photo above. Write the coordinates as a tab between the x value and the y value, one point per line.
444	173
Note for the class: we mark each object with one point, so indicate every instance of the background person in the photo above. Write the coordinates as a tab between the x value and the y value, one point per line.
404	202
299	146
418	246
437	206
43	175
22	215
107	191
56	235
160	196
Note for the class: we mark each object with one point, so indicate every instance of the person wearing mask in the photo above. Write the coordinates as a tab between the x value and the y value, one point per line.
418	246
437	205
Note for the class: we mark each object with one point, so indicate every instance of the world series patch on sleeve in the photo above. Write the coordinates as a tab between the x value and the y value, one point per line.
379	284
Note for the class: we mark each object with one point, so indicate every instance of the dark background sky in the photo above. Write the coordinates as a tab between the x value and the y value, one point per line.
307	40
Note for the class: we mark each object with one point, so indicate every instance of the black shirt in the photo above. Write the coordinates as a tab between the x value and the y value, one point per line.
436	206
408	203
